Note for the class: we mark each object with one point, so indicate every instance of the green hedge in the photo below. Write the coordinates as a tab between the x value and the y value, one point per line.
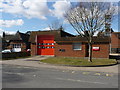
15	55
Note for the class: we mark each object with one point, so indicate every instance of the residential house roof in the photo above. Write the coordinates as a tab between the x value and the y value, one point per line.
16	37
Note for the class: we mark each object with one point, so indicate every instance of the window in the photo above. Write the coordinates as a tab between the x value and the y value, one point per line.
39	44
47	47
43	47
52	47
77	46
52	43
62	50
39	47
47	44
115	50
16	45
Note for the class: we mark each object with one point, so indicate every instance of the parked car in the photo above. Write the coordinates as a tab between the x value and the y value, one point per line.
6	51
28	50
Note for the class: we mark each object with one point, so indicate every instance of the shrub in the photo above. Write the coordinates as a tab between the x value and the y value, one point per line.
15	55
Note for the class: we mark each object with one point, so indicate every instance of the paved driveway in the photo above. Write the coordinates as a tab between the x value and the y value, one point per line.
35	62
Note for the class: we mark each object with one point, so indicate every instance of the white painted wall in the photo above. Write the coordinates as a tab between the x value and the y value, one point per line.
16	49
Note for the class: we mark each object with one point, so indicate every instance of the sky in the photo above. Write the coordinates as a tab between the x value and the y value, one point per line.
34	15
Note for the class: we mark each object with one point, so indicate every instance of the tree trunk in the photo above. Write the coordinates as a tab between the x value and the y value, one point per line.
90	53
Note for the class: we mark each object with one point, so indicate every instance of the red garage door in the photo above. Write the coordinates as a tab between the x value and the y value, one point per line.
45	45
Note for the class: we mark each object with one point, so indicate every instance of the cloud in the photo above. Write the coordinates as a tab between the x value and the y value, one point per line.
45	29
11	6
10	23
7	32
35	8
60	7
27	8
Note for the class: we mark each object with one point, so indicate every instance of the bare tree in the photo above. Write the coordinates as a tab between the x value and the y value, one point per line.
87	18
56	25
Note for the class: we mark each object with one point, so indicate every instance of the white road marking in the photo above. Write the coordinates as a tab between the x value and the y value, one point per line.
18	67
34	75
97	74
26	67
109	75
81	81
23	67
73	72
65	71
14	73
86	73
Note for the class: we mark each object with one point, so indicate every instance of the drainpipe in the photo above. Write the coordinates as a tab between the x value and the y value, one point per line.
36	45
110	42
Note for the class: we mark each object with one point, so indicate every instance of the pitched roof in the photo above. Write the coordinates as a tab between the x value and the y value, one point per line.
116	32
18	36
83	39
12	37
24	37
56	33
62	36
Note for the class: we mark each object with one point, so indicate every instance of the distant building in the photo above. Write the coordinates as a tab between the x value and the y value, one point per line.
16	43
115	43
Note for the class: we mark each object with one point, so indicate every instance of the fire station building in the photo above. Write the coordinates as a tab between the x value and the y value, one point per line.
61	43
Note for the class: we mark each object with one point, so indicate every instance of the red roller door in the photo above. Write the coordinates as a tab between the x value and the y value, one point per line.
45	45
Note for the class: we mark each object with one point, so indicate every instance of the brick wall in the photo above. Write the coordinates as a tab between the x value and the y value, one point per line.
23	47
69	50
103	52
115	42
33	49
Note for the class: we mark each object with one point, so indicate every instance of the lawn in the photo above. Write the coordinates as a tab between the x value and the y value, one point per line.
78	61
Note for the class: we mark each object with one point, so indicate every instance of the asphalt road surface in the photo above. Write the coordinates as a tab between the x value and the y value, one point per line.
31	77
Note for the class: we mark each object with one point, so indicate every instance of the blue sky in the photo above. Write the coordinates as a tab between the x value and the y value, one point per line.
33	15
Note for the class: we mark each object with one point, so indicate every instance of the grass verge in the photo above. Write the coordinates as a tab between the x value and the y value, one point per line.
78	61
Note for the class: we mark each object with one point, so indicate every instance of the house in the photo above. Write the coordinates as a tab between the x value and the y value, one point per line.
61	43
115	43
16	43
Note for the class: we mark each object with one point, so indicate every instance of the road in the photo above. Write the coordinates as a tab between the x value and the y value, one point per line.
15	76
